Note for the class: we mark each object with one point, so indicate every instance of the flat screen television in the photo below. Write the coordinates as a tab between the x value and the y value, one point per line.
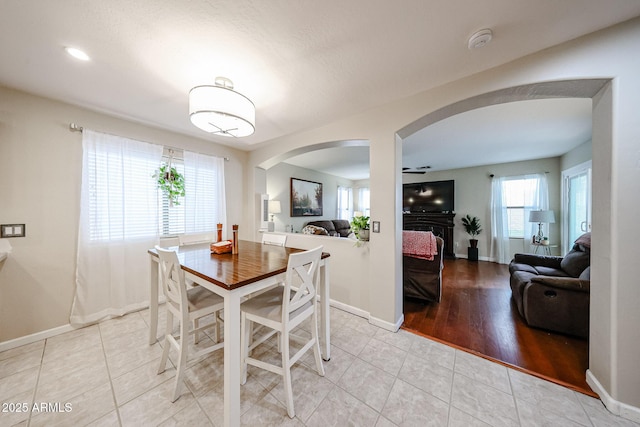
435	196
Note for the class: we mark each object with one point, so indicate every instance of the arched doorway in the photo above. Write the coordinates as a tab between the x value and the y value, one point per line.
588	88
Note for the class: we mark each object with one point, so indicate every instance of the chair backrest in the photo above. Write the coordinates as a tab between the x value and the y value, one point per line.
302	272
274	239
173	283
195	238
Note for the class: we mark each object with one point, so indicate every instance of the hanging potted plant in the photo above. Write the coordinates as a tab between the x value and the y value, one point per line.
473	228
171	183
360	227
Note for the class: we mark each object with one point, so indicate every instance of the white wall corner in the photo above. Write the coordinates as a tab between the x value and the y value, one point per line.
615	407
393	327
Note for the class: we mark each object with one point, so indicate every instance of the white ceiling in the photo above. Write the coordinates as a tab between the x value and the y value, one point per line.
303	63
497	134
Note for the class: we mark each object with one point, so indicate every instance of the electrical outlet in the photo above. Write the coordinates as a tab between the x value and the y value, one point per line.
12	230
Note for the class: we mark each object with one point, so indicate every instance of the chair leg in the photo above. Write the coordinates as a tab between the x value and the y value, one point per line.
182	358
316	345
244	347
217	332
286	374
167	344
196	335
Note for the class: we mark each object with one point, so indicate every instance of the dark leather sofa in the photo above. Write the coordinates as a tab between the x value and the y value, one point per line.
421	278
334	227
552	292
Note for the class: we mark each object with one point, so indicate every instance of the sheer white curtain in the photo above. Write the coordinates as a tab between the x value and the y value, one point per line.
118	224
534	195
204	200
344	204
364	201
499	222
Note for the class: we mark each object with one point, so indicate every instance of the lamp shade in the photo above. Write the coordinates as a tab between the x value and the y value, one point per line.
221	110
545	217
274	206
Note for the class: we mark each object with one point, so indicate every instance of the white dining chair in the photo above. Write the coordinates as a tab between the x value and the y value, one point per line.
281	310
187	306
274	239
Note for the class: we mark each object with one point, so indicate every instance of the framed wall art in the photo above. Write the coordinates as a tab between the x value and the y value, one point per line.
306	198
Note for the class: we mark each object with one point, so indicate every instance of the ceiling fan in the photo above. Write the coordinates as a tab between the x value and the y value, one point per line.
419	170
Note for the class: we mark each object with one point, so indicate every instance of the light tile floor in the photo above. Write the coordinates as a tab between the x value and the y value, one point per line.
106	374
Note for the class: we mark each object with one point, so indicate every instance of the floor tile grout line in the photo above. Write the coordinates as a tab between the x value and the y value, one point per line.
35	388
113	391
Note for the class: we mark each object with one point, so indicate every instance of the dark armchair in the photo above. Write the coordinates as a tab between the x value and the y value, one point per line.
553	292
421	278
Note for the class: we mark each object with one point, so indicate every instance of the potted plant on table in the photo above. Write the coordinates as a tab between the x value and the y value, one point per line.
360	227
473	228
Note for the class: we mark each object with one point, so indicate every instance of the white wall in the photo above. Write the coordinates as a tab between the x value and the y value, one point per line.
349	268
41	161
611	53
578	155
279	188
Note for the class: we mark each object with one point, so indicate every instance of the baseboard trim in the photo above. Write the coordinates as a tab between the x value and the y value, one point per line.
349	308
480	258
29	339
393	327
615	407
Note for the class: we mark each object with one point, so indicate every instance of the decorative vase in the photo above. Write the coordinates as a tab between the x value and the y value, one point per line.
363	235
473	243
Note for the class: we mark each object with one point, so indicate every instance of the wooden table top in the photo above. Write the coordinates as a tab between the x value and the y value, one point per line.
254	261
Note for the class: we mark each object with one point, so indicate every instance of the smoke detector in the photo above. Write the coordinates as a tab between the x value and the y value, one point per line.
480	38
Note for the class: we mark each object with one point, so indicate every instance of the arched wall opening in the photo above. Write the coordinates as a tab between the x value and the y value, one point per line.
599	90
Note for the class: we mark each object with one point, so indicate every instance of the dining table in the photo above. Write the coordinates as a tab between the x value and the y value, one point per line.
234	276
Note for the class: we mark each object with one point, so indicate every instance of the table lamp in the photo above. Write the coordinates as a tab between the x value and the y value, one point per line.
541	217
274	208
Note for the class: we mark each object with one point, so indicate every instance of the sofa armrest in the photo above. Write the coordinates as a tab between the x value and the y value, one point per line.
538	260
568	283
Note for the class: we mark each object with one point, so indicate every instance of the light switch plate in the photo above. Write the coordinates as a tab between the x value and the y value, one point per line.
12	230
376	226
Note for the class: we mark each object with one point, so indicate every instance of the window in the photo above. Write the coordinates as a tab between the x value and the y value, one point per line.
364	203
119	190
512	198
519	195
344	203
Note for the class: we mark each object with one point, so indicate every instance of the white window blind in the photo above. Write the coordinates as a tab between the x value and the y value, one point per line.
120	192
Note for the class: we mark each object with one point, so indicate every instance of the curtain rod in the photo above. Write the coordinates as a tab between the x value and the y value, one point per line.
75	128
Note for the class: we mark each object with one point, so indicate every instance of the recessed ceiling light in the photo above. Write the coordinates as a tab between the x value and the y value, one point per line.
77	53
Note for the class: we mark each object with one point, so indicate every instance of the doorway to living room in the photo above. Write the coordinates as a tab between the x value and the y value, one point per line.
581	89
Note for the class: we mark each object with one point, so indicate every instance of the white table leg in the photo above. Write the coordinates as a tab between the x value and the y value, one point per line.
325	321
232	342
153	301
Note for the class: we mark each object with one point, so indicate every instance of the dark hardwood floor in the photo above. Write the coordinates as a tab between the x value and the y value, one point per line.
476	314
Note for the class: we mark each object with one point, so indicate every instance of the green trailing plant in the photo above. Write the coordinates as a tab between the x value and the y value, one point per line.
471	225
171	183
359	223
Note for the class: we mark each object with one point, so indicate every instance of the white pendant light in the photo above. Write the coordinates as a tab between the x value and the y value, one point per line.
221	110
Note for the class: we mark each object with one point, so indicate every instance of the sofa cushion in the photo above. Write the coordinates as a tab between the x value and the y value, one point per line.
342	226
314	229
586	274
326	224
575	262
518	266
548	271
